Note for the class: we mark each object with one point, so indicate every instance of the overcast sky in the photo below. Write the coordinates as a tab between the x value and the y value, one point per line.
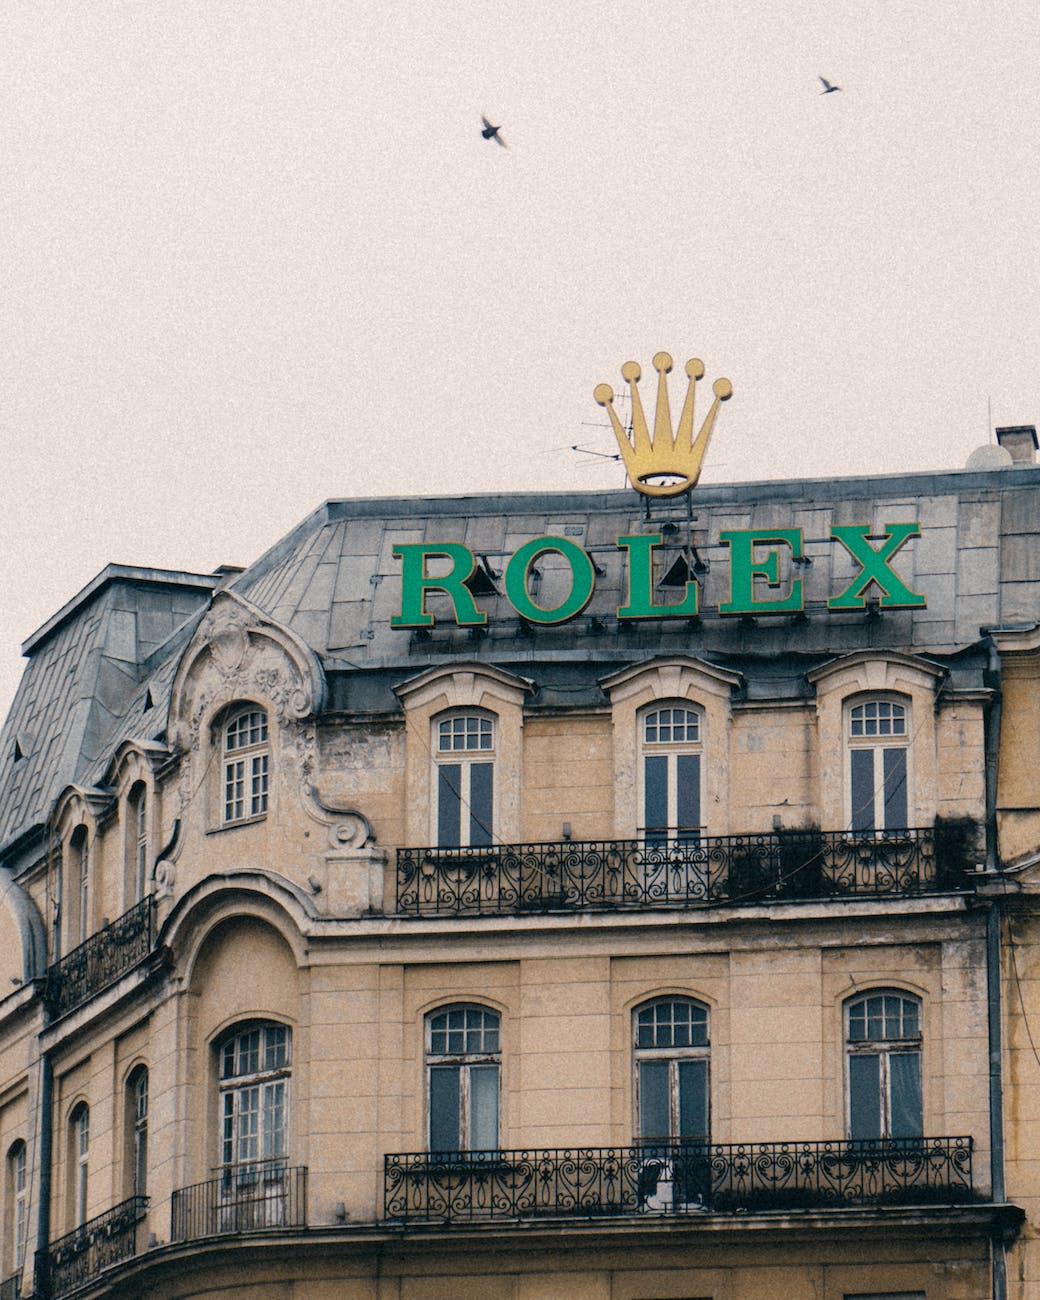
257	255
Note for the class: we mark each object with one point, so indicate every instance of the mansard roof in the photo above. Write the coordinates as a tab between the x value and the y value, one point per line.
100	671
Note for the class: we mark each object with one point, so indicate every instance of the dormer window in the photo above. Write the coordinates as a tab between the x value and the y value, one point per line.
878	744
246	757
464	756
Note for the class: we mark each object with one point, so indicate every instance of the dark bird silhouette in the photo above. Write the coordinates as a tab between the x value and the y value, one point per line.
491	132
827	87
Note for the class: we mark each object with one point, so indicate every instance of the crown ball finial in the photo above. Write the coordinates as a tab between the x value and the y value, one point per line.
631	371
604	394
722	389
662	362
695	368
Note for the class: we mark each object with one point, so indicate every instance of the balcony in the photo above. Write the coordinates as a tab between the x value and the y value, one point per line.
102	959
696	871
80	1255
695	1178
245	1198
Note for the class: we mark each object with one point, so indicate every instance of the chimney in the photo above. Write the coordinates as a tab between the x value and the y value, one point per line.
1020	441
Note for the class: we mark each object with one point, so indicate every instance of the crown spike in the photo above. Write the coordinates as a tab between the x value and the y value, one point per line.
684	433
641	443
663	415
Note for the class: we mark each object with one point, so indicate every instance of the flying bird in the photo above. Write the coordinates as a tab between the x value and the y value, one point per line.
491	132
827	87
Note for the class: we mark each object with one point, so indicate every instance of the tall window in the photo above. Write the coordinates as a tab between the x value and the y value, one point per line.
18	1201
137	843
877	742
671	744
255	1064
137	1132
79	886
463	1061
464	753
671	1057
79	1156
246	758
884	1065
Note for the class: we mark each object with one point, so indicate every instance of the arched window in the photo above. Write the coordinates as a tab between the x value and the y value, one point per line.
18	1205
877	738
136	843
246	754
136	1121
672	744
671	1051
463	1063
255	1064
883	1047
78	893
464	759
79	1157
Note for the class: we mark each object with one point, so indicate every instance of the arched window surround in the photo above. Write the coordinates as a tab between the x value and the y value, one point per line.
853	679
683	682
462	1072
242	735
135	1130
463	687
16	1216
884	1046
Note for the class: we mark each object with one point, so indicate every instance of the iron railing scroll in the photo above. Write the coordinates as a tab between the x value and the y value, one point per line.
82	1254
677	1178
103	958
693	871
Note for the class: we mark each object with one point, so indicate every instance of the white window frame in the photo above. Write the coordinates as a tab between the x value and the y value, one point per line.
79	1155
669	717
885	1048
137	839
672	1054
486	1053
261	1091
137	1131
18	1184
245	748
884	737
466	738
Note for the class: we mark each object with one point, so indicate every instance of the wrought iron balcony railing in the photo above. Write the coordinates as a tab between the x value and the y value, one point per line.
681	1178
694	871
249	1197
11	1287
103	958
80	1255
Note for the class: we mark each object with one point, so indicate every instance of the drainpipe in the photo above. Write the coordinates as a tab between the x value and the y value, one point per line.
993	976
41	1284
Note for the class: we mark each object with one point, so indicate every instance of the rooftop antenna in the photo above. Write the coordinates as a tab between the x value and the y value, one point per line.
989	419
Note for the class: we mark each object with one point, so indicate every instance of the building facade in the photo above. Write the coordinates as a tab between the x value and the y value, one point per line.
524	897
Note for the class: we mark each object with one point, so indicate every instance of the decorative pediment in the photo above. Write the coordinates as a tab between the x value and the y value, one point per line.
677	676
464	685
239	653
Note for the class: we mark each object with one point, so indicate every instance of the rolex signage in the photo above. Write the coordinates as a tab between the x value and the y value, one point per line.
666	463
754	554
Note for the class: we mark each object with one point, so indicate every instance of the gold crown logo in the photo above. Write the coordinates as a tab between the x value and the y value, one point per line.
673	459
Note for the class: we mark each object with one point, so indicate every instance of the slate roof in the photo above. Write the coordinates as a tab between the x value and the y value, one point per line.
335	581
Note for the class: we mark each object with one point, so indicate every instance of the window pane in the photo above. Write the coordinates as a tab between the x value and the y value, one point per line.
864	1096
444	1108
904	1069
449	805
481	797
862	790
655	803
895	788
693	1099
688	794
483	1107
654	1110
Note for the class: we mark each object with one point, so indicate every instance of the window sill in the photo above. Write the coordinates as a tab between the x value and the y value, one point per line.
235	825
